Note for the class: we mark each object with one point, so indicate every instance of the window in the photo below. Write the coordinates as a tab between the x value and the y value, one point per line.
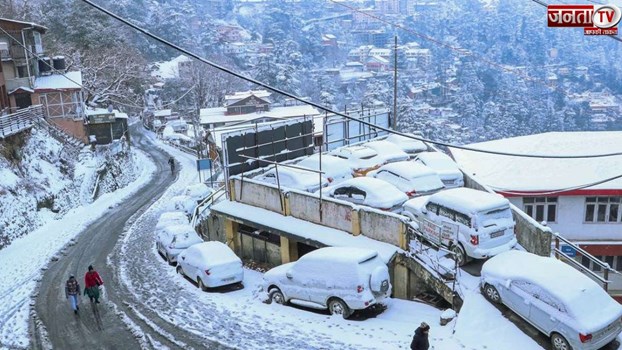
448	213
541	208
463	219
432	208
602	209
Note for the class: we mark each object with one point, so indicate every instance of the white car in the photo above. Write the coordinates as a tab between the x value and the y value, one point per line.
182	203
172	239
446	168
210	265
294	178
368	191
171	218
408	145
388	151
339	279
412	178
335	169
561	302
362	159
198	192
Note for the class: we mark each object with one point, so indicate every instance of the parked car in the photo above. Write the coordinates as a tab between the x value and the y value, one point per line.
408	145
182	203
171	218
198	192
294	178
412	178
368	191
472	224
339	279
172	239
210	265
362	159
388	151
561	302
335	169
446	168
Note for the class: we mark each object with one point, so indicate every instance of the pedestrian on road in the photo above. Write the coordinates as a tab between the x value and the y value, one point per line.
420	340
92	281
72	290
171	162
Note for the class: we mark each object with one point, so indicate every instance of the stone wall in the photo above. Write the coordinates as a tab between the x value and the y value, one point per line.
258	195
381	226
335	214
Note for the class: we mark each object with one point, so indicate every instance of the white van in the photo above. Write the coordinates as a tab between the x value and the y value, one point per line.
339	279
473	224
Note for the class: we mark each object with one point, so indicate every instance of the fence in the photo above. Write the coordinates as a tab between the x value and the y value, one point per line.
19	121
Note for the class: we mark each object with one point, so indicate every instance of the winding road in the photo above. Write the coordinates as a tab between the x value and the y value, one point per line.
118	322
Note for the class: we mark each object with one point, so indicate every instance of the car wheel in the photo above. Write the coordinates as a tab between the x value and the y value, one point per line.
201	285
491	293
276	296
459	255
338	307
558	342
180	270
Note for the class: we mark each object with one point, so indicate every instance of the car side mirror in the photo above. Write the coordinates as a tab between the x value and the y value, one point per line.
288	274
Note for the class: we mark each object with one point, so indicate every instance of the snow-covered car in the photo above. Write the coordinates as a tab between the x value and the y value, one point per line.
446	168
198	192
294	178
368	191
182	203
335	169
171	218
388	151
362	159
408	145
210	265
412	178
561	302
339	279
173	239
471	223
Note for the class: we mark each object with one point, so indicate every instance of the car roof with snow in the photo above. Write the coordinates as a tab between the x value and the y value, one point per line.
379	193
355	152
584	298
407	169
199	190
387	150
175	230
437	159
340	254
172	217
407	144
468	200
212	252
331	165
301	177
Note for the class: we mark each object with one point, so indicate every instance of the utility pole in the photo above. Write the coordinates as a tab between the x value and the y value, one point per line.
395	84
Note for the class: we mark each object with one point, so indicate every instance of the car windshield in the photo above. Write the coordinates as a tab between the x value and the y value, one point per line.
494	216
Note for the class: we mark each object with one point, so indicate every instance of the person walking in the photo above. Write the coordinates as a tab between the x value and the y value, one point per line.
92	281
72	290
420	339
171	162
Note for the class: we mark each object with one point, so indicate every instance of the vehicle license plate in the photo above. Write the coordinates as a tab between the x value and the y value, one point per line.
496	234
228	279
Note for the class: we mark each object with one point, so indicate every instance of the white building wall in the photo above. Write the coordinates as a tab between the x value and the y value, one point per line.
570	221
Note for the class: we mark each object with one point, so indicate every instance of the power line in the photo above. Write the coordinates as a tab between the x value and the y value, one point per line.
180	97
320	107
557	191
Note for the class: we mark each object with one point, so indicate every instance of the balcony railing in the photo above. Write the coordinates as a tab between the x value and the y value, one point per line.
11	124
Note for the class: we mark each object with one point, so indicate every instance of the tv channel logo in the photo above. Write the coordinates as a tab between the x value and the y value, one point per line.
594	19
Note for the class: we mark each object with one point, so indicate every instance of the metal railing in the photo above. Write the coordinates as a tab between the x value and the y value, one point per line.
206	204
606	268
19	121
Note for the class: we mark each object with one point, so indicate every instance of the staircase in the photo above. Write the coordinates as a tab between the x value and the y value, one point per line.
71	144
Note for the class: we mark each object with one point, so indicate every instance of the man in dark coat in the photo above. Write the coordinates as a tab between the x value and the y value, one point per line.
420	340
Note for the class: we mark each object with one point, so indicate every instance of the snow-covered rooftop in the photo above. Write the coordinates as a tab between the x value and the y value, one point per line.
70	80
162	113
301	228
217	115
540	174
242	95
169	69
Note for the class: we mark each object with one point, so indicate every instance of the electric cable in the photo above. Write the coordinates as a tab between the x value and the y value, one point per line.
556	191
323	108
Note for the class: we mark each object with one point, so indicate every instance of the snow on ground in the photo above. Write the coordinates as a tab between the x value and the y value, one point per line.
240	319
23	261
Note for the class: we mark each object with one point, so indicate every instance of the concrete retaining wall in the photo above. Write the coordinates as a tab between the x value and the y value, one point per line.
334	214
257	195
381	226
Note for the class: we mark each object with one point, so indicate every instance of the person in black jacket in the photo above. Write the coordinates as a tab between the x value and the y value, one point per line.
420	340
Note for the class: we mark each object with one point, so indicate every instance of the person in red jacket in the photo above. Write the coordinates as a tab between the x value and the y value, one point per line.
92	281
